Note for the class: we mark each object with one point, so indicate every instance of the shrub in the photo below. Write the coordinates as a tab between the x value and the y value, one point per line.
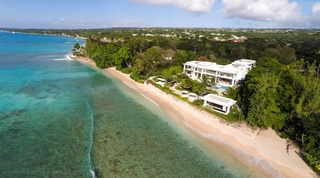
166	89
198	102
178	88
314	162
318	168
137	78
126	70
230	117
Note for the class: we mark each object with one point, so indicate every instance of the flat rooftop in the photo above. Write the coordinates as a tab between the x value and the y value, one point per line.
223	101
213	66
232	68
244	61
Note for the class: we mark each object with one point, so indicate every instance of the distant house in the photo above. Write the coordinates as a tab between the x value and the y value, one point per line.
218	103
228	75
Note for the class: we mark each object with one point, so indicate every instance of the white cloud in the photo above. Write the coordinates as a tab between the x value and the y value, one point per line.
282	11
197	6
315	17
316	8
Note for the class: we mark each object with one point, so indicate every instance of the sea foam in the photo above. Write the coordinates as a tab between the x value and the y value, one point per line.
150	99
129	85
65	58
91	140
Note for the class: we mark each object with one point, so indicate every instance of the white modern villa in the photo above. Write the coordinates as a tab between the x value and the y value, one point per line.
218	103
228	75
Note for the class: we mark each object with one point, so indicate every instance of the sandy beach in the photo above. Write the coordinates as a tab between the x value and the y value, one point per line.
261	150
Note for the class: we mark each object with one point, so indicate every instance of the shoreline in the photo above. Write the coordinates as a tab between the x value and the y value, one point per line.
263	151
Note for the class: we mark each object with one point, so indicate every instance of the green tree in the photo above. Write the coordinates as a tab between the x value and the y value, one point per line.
198	88
259	96
304	124
137	44
180	57
171	73
208	45
285	54
174	42
307	99
76	46
231	93
264	111
138	65
238	52
204	81
187	83
123	58
222	51
99	56
149	63
223	61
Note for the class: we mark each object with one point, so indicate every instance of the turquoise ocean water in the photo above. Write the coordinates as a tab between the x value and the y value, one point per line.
60	118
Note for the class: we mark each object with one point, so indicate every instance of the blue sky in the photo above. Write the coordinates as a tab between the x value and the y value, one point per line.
159	13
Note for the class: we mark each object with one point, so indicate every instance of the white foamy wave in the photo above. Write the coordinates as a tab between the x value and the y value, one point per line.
129	85
91	140
93	174
150	99
61	59
66	58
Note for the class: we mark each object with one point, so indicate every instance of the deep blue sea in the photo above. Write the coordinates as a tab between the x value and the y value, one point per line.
60	118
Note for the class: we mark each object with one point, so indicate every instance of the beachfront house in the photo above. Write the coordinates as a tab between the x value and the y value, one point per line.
218	103
227	75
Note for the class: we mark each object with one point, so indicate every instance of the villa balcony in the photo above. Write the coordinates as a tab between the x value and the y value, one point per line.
225	76
211	74
188	69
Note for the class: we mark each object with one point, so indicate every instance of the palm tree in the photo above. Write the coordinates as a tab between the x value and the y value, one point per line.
208	45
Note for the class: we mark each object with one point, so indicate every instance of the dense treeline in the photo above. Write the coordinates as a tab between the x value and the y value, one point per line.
136	56
282	92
